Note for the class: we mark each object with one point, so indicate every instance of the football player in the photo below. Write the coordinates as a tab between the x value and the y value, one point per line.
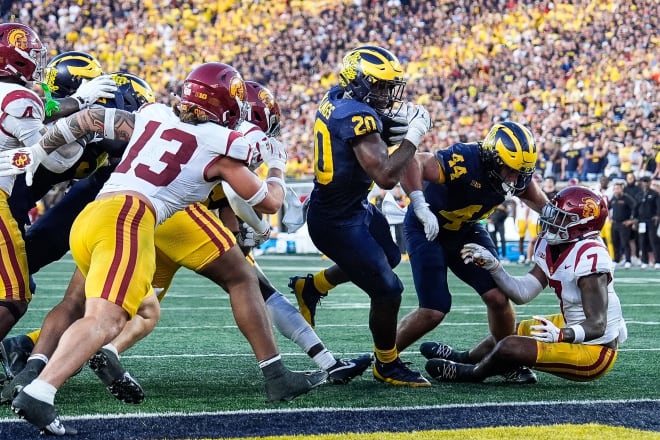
484	173
350	154
580	343
22	59
196	239
47	240
142	194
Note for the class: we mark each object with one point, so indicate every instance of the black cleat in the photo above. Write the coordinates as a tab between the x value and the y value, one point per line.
345	370
40	414
105	364
14	353
27	375
292	384
397	373
444	370
307	295
438	350
521	375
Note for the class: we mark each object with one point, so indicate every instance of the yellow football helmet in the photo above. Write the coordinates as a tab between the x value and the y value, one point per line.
512	146
373	75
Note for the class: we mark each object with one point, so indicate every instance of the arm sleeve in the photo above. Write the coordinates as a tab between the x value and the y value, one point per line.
520	290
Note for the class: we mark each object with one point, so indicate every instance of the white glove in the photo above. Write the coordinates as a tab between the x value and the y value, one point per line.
22	160
249	238
294	216
419	122
546	331
394	128
479	255
424	214
274	154
91	91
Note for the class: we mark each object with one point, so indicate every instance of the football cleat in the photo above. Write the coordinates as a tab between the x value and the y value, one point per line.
343	371
307	296
292	384
14	353
521	375
444	370
438	350
27	375
105	364
398	373
40	414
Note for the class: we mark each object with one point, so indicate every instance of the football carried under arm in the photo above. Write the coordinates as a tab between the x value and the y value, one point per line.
520	289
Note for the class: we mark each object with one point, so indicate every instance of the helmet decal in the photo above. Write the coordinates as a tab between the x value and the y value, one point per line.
237	88
18	38
591	208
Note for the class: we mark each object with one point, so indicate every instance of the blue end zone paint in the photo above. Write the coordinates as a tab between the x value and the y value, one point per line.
641	414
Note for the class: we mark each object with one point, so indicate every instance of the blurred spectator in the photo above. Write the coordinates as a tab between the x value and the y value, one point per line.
647	215
621	207
579	69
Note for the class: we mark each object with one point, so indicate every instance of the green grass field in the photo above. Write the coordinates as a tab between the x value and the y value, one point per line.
196	359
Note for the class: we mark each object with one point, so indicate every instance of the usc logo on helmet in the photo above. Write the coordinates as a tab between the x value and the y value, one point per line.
237	88
591	209
267	99
18	38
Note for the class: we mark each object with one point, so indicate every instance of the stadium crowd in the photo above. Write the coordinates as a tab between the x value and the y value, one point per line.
584	76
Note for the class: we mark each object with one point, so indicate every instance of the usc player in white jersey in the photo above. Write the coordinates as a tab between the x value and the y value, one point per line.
22	113
581	342
174	158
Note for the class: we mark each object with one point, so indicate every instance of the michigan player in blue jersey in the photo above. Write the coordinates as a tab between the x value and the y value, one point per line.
349	156
482	175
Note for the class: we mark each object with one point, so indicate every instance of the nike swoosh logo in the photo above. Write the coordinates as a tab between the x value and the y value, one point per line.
567	266
348	365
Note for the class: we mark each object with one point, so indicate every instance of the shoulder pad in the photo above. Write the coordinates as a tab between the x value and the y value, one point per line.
23	103
238	147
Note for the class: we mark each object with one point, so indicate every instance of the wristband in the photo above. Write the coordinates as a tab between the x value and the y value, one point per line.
578	330
417	198
277	180
259	196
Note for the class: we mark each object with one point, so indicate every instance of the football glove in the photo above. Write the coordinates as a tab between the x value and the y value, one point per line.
394	128
419	122
294	215
249	238
479	255
91	91
546	331
22	160
424	214
274	154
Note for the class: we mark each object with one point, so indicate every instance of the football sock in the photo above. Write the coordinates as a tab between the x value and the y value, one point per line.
321	282
41	390
324	359
37	357
386	356
290	323
34	335
111	348
273	367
